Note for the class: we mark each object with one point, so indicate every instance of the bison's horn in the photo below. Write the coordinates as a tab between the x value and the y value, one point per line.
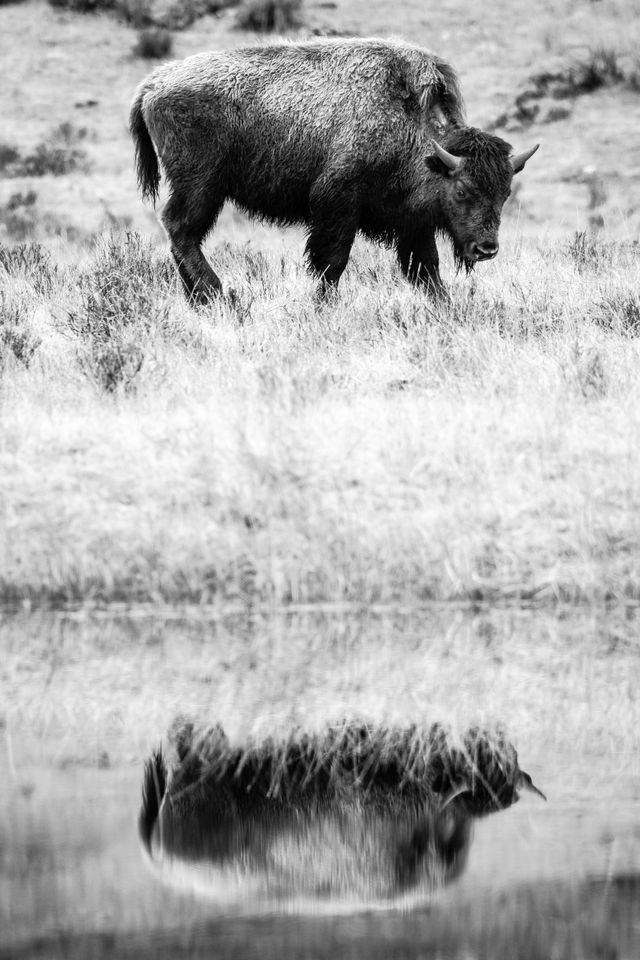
455	792
525	782
447	158
520	159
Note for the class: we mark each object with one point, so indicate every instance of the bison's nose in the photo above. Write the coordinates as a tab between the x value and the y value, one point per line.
485	250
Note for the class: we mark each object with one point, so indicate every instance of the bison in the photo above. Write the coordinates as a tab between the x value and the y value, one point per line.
358	811
340	135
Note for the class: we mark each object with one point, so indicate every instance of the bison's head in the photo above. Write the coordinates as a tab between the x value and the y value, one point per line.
476	169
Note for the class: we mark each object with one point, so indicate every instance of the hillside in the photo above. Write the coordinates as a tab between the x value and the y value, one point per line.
78	70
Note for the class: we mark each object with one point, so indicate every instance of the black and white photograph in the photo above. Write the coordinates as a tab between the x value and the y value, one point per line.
319	480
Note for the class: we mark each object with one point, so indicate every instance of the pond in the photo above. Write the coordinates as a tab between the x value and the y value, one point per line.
85	697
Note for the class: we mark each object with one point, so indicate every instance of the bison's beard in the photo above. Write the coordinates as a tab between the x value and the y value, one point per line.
461	262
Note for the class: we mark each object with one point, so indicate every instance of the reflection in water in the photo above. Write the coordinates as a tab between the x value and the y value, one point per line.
359	815
545	880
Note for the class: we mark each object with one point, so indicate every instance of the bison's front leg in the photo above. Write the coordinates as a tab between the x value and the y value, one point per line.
333	226
418	256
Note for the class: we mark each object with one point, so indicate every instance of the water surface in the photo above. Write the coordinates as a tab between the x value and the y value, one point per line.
84	698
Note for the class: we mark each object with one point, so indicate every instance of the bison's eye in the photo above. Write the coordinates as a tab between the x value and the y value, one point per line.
461	193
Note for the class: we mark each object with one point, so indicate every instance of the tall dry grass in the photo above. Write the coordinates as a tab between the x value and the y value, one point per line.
375	448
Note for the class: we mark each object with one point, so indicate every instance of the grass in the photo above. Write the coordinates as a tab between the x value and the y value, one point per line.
376	448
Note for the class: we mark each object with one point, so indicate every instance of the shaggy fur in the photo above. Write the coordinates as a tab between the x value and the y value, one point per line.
401	800
154	785
406	766
334	134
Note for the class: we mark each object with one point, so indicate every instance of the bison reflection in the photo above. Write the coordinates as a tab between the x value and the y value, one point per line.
358	814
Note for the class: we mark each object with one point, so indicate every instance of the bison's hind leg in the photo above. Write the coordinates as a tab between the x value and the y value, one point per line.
187	222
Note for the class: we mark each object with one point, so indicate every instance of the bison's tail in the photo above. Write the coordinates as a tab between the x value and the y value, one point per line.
154	785
146	157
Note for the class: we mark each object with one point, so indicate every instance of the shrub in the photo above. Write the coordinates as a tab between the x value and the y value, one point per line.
538	101
266	16
50	159
619	314
15	336
633	76
591	374
32	261
169	14
83	6
588	252
121	289
123	296
154	42
18	215
57	156
8	156
137	13
599	70
112	365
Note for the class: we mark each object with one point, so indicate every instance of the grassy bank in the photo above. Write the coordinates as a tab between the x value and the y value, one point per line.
374	448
